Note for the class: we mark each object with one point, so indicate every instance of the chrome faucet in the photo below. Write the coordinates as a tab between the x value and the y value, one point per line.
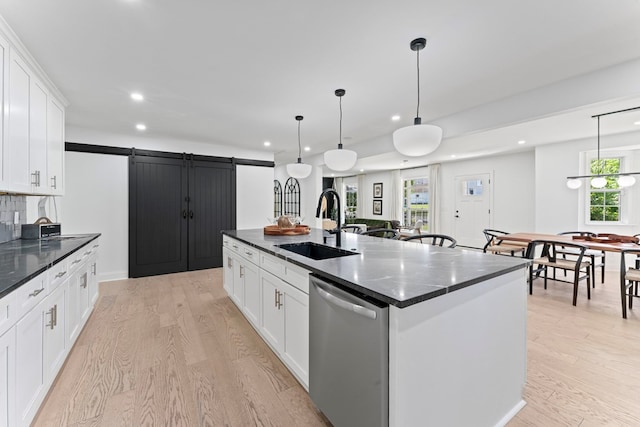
337	231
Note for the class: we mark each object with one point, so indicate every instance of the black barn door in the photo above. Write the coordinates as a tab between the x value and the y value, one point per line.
177	208
211	209
157	216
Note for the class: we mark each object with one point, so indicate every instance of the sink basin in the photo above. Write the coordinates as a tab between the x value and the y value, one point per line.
315	250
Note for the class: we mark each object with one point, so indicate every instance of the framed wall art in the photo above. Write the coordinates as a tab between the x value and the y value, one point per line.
377	207
377	190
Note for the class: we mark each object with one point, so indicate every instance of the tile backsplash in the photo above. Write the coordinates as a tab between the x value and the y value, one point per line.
9	205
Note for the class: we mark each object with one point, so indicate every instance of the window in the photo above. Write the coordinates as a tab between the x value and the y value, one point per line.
605	203
415	206
351	191
277	198
292	197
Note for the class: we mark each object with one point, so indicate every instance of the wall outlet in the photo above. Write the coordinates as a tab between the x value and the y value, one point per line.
16	217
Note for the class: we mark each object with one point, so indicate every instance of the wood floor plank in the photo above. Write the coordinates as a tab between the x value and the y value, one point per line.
175	350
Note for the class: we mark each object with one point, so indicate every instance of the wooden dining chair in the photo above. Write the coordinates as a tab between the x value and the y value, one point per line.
433	239
591	253
496	245
385	233
629	279
549	258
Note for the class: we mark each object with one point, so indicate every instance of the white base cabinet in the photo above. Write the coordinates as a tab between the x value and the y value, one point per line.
7	376
48	313
273	295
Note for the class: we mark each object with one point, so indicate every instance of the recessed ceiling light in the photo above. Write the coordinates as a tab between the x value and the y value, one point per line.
141	126
361	170
637	123
307	148
453	156
267	143
395	118
333	174
137	96
522	141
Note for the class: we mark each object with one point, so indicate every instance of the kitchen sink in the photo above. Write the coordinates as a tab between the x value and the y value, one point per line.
315	250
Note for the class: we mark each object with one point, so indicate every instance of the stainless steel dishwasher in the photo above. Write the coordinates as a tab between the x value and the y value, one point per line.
348	355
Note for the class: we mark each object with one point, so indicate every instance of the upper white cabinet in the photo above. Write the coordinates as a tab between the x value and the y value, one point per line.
32	126
17	144
55	147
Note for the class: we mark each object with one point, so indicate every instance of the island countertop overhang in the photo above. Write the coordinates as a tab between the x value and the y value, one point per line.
395	272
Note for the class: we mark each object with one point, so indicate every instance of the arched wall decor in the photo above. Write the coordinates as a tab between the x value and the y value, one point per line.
292	197
277	198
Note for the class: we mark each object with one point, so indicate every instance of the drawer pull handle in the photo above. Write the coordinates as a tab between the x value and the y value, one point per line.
36	292
248	253
96	246
88	253
76	261
235	246
59	275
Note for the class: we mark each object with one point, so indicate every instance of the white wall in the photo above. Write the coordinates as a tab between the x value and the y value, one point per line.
97	191
254	200
513	190
387	199
97	201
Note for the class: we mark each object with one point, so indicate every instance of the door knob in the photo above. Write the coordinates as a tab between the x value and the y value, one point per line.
184	214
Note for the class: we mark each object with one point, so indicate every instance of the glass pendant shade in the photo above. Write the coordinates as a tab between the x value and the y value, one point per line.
599	182
574	184
417	140
340	159
626	180
298	170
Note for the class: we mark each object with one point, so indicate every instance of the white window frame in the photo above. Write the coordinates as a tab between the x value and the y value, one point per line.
626	200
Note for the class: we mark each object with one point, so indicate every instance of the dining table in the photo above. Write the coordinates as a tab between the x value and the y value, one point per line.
607	246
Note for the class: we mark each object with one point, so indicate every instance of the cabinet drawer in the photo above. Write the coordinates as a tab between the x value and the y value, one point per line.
7	311
30	294
226	241
249	253
58	274
290	273
272	264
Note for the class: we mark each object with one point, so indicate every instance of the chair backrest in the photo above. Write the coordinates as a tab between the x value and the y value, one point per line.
434	239
395	224
549	249
351	229
417	227
491	236
577	233
386	233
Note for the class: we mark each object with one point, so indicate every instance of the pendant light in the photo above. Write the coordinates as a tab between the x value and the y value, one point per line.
624	179
299	169
419	139
340	159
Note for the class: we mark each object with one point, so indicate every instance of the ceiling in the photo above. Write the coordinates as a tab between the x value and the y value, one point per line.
237	72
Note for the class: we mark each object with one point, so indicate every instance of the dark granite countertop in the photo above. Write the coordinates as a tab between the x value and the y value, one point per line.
396	272
22	260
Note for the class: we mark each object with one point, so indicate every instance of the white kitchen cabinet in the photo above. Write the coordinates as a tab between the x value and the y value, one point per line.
227	273
93	279
4	111
55	348
285	323
251	285
237	289
18	178
7	376
30	374
38	103
55	147
78	308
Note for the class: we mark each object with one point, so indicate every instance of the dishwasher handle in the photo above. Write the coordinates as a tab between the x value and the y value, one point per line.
346	305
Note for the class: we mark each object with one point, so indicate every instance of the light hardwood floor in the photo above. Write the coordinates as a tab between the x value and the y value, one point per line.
174	351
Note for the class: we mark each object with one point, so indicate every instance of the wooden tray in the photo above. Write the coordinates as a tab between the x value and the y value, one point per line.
274	230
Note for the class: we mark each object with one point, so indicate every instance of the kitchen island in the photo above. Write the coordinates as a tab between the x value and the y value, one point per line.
457	322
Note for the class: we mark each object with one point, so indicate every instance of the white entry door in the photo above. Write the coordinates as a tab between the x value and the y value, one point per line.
472	212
